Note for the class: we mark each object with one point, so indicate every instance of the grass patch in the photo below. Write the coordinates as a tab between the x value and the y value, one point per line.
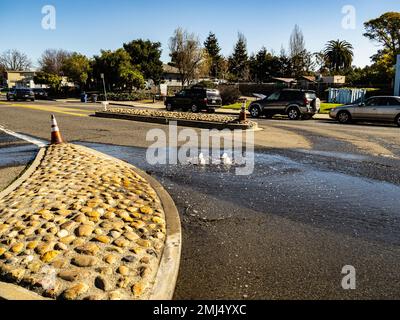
326	107
236	106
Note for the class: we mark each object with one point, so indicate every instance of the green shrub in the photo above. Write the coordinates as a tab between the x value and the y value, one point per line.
229	94
125	96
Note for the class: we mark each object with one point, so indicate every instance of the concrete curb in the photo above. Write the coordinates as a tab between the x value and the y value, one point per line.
184	123
167	274
10	291
25	175
228	112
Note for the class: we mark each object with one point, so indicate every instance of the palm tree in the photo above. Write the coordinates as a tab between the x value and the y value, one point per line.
339	55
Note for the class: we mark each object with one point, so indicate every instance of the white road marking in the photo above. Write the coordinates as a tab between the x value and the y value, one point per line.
39	143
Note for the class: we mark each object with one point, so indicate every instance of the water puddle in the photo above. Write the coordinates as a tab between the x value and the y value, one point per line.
17	155
331	154
284	187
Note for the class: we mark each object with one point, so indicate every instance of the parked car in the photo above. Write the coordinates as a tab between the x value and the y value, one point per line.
195	99
21	94
295	103
385	109
40	94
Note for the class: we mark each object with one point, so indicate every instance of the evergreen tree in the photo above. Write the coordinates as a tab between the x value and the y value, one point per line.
264	65
238	62
214	52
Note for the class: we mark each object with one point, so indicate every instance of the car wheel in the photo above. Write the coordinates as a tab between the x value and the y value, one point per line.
194	109
398	120
294	113
255	111
169	107
344	117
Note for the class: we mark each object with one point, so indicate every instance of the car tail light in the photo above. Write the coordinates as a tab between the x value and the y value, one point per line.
205	100
306	102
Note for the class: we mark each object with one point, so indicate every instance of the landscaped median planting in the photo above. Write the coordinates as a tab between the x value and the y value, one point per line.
201	120
82	226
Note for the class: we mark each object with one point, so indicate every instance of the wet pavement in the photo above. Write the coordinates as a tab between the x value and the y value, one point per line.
282	188
15	152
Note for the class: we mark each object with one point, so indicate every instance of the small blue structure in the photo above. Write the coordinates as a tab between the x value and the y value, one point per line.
346	96
84	97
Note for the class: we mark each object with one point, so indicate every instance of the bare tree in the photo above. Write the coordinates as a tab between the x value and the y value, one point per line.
186	54
301	59
204	68
52	61
297	44
14	60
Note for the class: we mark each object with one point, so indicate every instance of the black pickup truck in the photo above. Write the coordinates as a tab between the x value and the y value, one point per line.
195	99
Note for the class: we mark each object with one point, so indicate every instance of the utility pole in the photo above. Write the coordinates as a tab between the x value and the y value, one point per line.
397	78
104	85
104	103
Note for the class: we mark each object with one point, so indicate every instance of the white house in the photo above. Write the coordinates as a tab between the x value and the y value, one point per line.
171	76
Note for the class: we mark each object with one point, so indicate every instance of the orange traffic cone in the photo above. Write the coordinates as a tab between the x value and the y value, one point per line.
55	132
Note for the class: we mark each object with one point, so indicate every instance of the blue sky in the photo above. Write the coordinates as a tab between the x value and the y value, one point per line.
87	26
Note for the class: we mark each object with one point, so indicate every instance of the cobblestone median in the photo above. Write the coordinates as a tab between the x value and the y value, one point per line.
175	115
82	227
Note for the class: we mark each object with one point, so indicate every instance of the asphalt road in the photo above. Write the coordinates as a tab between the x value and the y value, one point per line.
322	196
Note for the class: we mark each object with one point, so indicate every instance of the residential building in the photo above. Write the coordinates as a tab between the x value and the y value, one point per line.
171	76
19	78
334	80
307	81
